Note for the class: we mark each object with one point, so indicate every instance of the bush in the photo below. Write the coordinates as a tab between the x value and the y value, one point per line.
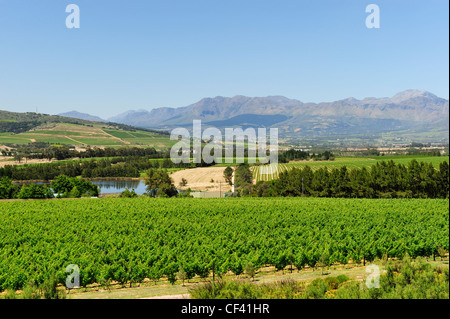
73	187
332	283
31	291
250	270
316	289
35	191
128	194
50	291
342	278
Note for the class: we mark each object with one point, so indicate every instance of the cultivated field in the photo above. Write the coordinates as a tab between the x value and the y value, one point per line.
268	173
82	136
129	240
202	178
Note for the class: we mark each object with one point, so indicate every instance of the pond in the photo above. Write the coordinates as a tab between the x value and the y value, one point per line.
113	186
118	186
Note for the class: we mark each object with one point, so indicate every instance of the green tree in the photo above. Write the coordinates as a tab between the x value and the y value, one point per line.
6	188
159	184
228	174
243	175
35	191
250	270
61	184
128	194
182	275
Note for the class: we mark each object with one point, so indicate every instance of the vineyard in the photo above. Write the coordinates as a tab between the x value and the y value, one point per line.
270	172
128	240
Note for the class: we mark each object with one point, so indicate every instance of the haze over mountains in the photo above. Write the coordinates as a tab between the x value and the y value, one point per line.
411	109
82	116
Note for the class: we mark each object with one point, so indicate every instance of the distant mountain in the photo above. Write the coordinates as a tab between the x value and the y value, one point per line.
411	109
82	116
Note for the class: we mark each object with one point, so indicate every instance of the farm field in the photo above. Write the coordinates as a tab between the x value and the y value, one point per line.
202	178
268	173
128	240
82	136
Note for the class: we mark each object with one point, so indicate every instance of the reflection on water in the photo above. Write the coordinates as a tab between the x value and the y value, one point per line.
110	187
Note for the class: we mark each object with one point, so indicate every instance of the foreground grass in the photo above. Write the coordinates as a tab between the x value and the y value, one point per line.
266	276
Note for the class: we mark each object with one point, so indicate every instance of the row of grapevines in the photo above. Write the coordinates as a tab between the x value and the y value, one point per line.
128	240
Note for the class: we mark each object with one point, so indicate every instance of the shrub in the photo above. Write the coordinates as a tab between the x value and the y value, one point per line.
342	278
128	194
332	283
35	191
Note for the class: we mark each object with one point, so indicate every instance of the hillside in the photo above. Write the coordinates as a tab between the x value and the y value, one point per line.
411	111
82	116
23	128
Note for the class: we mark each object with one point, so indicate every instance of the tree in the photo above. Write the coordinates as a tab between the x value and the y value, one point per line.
182	275
154	274
443	180
5	188
159	184
300	260
18	156
35	191
243	175
128	194
183	182
49	289
61	184
250	270
228	175
281	261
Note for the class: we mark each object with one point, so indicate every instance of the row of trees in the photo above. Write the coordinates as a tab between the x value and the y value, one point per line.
382	180
40	150
115	167
62	186
127	166
293	155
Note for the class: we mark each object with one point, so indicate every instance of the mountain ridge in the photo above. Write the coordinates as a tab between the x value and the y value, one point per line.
409	109
81	116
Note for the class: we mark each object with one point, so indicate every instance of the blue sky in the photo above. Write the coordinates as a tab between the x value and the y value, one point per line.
143	54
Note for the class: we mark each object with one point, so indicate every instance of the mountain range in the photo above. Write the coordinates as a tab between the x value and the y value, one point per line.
82	116
411	109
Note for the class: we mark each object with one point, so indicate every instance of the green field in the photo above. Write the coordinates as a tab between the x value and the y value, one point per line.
125	240
267	173
93	135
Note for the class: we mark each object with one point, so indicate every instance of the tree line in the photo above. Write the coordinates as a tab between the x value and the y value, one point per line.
382	180
63	187
41	150
293	155
130	166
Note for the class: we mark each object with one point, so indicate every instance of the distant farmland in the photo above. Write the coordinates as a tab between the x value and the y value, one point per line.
268	173
83	136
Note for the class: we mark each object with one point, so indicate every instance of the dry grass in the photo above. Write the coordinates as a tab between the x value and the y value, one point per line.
200	179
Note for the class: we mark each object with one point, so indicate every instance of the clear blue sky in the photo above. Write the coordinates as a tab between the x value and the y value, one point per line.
141	54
